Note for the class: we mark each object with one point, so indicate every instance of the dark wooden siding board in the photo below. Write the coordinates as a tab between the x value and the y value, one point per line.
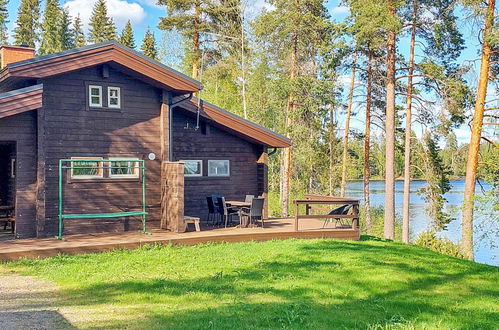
218	144
72	130
21	129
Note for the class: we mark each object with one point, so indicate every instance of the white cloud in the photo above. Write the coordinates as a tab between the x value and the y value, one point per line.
152	3
340	10
121	11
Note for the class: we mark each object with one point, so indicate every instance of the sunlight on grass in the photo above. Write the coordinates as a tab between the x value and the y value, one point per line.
277	284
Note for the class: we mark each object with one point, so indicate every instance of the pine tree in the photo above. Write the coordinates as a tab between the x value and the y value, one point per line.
78	34
67	40
27	23
148	46
193	18
126	37
3	21
51	39
101	25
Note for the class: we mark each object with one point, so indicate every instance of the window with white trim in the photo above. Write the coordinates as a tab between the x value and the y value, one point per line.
113	97
95	96
86	168
218	168
193	167
124	168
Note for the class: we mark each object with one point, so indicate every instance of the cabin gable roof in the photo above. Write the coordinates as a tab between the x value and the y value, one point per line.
110	52
20	100
238	125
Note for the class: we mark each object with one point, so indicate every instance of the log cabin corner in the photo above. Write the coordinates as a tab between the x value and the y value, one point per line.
111	104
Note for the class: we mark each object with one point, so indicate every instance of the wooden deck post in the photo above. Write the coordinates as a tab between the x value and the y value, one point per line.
263	184
172	196
355	221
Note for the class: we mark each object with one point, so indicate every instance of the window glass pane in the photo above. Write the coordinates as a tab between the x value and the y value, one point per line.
95	100
95	91
218	167
113	94
193	167
124	168
86	168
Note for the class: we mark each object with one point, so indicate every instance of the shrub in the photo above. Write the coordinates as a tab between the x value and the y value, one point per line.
428	239
377	222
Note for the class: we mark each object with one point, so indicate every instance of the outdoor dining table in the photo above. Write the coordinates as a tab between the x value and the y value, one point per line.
239	205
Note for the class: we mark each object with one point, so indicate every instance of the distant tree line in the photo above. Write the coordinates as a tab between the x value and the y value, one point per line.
54	30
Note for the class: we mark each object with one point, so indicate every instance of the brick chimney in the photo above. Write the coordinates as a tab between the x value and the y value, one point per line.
12	54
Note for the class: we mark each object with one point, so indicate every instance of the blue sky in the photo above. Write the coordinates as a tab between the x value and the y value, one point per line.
146	13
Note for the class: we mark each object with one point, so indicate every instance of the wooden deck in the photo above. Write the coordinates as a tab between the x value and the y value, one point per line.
90	243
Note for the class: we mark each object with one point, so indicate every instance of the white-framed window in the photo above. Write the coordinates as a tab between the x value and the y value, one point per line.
124	167
218	168
113	97
86	168
95	96
193	167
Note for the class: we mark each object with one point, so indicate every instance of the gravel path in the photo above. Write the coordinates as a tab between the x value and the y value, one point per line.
29	303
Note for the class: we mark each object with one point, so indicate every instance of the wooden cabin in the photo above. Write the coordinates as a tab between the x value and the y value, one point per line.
105	102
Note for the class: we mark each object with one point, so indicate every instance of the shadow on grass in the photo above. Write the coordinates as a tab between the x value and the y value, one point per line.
303	291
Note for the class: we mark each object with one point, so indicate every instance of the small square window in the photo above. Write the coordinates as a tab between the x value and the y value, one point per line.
124	168
193	167
218	168
113	97
86	168
95	96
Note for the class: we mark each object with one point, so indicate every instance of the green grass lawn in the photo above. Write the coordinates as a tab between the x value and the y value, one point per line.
297	284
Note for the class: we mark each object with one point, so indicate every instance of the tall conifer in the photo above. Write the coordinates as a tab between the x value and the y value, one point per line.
148	47
51	40
101	25
3	21
67	40
27	23
78	34
126	37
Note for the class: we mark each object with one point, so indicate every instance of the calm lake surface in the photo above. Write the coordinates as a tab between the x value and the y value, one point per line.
486	250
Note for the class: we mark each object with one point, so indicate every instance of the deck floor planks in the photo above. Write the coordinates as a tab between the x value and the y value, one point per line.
91	243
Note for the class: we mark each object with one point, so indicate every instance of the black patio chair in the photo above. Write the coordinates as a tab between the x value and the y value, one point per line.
213	213
255	211
227	211
341	210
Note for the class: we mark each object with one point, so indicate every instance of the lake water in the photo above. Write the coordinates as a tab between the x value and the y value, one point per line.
486	250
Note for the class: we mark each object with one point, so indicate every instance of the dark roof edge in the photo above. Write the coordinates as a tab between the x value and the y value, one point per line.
95	46
280	136
21	91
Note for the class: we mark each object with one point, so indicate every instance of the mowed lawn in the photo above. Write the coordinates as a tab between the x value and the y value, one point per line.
295	284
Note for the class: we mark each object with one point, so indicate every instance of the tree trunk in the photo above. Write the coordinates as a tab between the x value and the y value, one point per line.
347	130
243	65
287	168
389	223
331	146
476	132
408	130
196	51
367	142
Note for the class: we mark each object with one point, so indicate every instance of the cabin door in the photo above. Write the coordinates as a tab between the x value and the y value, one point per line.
8	166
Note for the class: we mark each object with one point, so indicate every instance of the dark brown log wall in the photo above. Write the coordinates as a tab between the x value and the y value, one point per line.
74	130
210	142
21	129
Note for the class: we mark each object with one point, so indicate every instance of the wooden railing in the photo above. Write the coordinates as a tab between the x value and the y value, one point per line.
325	204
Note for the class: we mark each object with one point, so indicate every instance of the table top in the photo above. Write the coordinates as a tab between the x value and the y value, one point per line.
238	203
